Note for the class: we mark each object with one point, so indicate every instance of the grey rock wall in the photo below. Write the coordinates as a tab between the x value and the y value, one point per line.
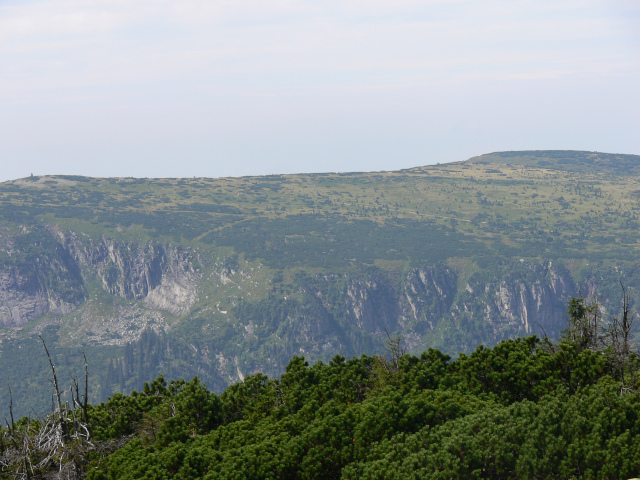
509	300
53	281
24	297
163	277
518	298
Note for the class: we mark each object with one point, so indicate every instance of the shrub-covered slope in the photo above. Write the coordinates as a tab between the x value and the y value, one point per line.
523	409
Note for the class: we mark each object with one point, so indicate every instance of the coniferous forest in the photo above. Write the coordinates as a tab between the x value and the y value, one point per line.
526	408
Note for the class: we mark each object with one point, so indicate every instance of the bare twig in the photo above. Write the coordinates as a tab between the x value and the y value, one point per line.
55	446
55	382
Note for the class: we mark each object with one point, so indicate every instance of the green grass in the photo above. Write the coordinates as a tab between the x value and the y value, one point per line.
519	206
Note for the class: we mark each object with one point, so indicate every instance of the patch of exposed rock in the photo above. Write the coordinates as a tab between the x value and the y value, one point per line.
162	276
48	275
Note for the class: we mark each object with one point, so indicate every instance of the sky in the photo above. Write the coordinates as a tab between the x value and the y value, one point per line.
211	88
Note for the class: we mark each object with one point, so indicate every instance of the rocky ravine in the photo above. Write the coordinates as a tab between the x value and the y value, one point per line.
518	298
429	305
511	300
54	281
162	276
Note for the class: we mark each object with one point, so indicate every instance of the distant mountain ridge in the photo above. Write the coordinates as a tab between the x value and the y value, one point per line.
224	277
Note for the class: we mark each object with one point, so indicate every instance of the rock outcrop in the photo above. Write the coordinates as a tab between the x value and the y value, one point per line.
44	272
47	271
372	305
428	293
505	301
518	299
28	295
162	276
37	277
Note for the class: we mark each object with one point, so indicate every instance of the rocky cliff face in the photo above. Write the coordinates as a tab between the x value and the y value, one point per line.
28	295
371	305
37	276
43	272
47	271
517	299
52	272
163	277
509	300
428	293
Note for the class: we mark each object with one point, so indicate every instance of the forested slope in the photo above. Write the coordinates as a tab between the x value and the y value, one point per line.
526	408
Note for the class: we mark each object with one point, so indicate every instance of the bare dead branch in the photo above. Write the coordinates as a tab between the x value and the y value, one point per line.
53	372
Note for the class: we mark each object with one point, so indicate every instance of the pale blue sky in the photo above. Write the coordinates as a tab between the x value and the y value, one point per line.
164	88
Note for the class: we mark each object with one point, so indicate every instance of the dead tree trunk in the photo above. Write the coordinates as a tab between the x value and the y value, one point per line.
63	425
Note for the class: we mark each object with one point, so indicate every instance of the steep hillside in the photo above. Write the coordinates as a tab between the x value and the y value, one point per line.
231	276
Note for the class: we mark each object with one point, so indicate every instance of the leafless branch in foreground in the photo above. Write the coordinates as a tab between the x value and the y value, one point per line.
56	446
